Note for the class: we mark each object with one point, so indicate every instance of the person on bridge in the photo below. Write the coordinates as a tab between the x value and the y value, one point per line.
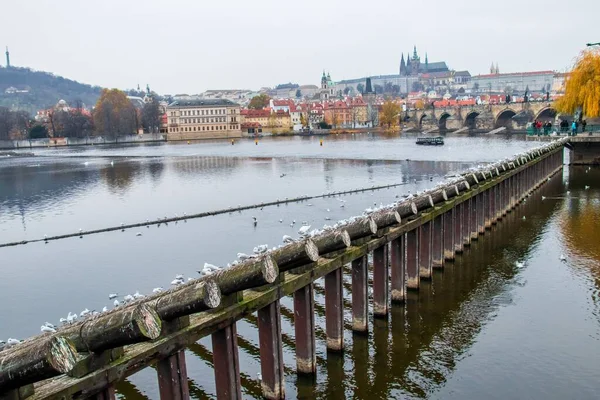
574	128
583	125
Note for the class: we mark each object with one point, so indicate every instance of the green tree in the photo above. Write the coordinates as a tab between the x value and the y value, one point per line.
259	102
360	87
298	93
38	132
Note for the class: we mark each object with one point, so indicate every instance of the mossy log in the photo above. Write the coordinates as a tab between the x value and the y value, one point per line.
451	191
249	274
190	299
407	209
386	217
333	240
360	228
134	324
463	186
33	362
471	178
423	202
295	254
438	196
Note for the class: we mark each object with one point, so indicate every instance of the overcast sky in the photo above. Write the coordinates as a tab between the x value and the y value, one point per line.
188	46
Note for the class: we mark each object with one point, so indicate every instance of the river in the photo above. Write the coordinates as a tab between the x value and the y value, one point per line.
483	327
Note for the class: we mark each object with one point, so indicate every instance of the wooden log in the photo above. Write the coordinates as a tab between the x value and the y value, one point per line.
463	186
134	324
199	296
481	175
471	178
439	196
295	254
334	240
451	191
407	209
361	227
249	274
423	202
386	217
33	362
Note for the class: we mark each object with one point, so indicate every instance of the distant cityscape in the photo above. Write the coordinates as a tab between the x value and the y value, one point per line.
345	104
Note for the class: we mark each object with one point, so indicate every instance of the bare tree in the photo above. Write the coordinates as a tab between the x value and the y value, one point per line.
6	123
151	116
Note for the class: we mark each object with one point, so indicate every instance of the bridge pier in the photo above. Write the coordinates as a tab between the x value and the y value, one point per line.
271	353
473	220
334	310
172	377
398	248
412	260
482	211
381	275
360	295
437	242
304	328
466	229
458	222
425	250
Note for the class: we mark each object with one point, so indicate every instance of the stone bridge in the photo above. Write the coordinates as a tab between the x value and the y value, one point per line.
513	116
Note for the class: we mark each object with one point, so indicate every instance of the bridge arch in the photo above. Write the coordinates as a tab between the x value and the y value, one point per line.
470	120
442	121
504	119
547	114
421	118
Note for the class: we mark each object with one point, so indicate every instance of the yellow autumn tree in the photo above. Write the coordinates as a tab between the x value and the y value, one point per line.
583	86
114	114
390	113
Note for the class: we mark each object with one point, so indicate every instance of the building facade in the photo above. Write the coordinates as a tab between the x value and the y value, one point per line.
518	82
203	119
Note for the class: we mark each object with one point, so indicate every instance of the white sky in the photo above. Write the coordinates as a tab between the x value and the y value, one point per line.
188	46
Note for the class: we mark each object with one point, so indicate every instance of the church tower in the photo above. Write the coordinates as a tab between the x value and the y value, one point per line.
402	66
7	58
426	62
324	81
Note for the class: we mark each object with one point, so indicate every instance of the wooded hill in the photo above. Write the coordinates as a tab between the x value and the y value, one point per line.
37	90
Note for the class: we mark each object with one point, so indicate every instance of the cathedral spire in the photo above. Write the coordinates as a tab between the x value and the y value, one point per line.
402	65
415	56
7	58
426	62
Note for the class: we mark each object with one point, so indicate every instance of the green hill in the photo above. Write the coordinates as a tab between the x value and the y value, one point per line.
37	90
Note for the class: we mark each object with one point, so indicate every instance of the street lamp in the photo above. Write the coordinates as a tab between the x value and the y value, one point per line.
592	44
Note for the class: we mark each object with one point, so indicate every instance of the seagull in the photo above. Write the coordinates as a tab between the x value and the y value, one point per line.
176	282
71	318
563	258
179	277
261	249
255	221
157	290
587	187
49	325
212	267
45	328
543	197
62	320
113	296
112	163
138	295
287	239
342	205
104	309
138	234
304	230
243	256
122	225
84	313
12	342
328	210
128	298
519	264
259	376
116	303
327	218
524	218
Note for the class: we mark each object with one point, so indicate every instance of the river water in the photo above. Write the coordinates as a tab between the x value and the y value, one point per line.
482	327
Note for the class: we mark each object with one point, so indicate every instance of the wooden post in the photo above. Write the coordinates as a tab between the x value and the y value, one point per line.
458	223
334	310
473	219
466	225
398	269
425	250
360	295
490	211
304	327
106	394
172	377
380	281
271	354
226	363
449	222
437	242
482	211
412	260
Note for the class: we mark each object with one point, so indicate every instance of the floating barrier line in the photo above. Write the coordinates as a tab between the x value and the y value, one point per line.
200	215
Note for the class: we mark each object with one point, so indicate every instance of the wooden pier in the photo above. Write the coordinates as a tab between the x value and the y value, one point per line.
87	359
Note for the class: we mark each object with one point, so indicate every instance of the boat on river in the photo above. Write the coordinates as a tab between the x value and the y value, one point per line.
431	141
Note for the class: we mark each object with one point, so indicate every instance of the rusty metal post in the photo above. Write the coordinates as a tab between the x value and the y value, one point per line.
437	242
226	363
425	250
304	327
466	228
172	377
380	281
397	249
473	218
271	354
449	222
334	310
458	223
360	295
412	260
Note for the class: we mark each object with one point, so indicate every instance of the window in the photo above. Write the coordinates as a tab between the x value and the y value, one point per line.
211	112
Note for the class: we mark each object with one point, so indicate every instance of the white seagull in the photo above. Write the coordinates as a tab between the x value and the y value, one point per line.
104	309
45	328
116	303
128	298
287	239
157	290
84	313
563	258
519	264
304	230
113	296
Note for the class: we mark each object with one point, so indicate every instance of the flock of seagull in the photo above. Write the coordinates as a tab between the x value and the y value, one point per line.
208	269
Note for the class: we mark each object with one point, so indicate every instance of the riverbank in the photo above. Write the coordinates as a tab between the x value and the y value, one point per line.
87	141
